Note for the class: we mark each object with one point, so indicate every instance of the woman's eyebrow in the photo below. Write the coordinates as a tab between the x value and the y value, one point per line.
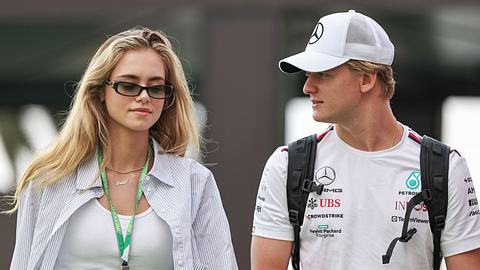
135	77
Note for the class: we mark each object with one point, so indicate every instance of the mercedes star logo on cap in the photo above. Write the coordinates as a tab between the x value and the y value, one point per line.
317	33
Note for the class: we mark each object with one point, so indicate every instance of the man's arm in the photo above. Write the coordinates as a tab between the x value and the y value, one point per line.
469	260
269	254
460	242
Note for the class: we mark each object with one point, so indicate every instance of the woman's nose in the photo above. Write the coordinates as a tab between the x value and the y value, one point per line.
143	96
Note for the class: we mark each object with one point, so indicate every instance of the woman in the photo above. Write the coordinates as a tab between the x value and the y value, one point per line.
114	190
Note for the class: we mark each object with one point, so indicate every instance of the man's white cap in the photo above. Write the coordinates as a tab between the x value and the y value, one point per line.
338	38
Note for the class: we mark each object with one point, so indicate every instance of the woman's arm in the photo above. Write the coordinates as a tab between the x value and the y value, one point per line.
26	218
212	232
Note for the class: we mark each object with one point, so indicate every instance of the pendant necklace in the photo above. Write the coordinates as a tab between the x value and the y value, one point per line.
123	242
120	182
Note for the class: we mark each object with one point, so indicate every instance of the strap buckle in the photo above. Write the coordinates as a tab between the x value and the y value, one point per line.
427	195
293	217
307	185
311	186
317	188
439	222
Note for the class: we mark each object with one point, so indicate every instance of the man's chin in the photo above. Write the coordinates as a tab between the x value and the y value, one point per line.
320	118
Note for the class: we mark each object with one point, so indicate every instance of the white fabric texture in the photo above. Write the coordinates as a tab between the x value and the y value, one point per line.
90	241
352	223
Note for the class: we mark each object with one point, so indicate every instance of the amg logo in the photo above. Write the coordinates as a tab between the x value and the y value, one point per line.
468	180
474	213
333	190
473	202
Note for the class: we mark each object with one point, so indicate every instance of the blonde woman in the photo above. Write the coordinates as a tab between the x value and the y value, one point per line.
115	191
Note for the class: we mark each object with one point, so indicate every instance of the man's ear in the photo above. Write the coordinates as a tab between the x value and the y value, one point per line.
368	81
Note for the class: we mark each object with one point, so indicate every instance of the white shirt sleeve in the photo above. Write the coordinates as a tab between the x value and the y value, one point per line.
270	218
462	227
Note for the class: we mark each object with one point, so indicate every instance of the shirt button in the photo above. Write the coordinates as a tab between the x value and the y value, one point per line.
178	231
180	263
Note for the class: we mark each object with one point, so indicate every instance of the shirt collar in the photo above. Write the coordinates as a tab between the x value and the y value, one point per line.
87	174
161	168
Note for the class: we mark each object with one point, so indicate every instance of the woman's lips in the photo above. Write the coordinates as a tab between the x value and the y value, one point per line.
142	111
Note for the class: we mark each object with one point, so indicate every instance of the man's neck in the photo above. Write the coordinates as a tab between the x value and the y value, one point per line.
374	129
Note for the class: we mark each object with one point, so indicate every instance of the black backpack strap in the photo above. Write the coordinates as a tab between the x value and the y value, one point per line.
407	234
434	157
434	163
301	166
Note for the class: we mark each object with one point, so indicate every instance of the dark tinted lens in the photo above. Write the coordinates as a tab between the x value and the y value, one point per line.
157	91
128	89
160	91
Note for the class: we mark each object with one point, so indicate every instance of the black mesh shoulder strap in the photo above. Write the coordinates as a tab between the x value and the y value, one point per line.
434	157
434	163
301	166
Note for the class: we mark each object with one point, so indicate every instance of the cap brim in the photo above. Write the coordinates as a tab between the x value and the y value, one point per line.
310	61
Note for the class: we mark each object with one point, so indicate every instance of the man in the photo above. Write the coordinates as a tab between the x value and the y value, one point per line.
368	163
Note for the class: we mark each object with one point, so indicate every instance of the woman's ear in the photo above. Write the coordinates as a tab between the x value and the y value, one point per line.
368	81
102	96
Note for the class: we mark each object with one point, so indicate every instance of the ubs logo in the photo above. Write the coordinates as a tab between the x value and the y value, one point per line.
325	176
317	34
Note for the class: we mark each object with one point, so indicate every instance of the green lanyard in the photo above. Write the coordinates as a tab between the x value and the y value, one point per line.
123	245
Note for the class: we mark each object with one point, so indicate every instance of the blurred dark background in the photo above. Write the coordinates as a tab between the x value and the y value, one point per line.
230	50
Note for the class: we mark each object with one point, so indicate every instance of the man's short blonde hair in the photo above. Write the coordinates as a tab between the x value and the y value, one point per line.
384	72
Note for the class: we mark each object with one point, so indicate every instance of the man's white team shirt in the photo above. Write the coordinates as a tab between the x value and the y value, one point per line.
351	224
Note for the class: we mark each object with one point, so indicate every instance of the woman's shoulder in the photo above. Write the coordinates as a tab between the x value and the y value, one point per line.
186	163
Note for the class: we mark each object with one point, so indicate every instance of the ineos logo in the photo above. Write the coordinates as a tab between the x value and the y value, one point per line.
317	33
325	176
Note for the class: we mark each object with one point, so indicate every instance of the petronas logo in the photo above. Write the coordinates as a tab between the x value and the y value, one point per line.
413	181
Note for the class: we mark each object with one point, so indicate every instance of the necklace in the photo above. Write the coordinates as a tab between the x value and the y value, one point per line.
127	172
124	177
394	135
123	242
124	181
120	182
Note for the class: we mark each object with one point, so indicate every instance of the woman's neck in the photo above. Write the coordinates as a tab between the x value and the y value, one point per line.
128	151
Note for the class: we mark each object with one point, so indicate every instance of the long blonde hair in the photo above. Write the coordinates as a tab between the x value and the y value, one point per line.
85	127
